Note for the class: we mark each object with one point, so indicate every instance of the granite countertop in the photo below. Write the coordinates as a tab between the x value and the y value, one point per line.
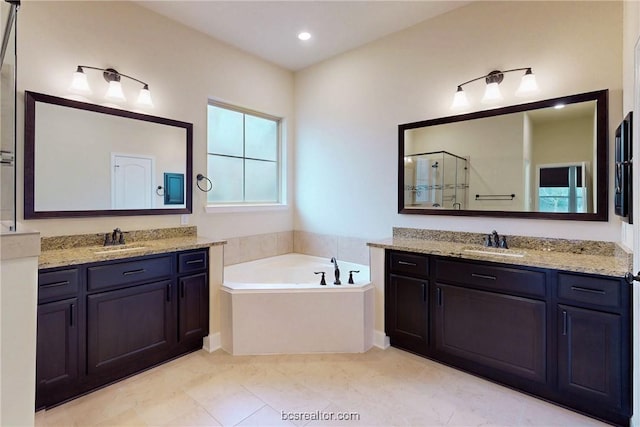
80	249
605	258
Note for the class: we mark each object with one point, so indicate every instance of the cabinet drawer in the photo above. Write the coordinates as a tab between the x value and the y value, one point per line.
192	261
415	265
58	284
117	274
589	290
525	282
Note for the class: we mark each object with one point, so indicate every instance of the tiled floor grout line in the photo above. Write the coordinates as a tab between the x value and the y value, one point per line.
250	415
387	387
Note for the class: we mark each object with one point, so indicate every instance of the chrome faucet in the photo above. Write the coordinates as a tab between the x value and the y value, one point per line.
336	271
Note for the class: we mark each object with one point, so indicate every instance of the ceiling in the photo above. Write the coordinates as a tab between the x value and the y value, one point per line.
268	29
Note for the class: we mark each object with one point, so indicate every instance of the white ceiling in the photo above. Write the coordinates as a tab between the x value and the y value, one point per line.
268	29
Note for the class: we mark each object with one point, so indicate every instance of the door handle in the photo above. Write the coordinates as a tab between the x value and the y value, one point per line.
129	273
483	276
587	290
564	322
629	277
410	264
56	284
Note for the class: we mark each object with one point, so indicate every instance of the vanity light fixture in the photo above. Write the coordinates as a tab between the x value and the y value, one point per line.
528	85
79	84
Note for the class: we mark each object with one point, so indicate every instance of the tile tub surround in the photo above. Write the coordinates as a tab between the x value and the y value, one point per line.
84	248
251	248
582	256
258	246
352	249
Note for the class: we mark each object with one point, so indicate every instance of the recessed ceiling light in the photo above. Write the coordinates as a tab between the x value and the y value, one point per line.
304	36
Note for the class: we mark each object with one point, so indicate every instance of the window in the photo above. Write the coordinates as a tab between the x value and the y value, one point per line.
562	189
243	156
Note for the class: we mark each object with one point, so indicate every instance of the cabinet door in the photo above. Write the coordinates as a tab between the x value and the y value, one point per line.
57	348
590	355
129	326
406	313
486	329
194	307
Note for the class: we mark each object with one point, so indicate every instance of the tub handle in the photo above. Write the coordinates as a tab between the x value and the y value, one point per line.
351	275
322	281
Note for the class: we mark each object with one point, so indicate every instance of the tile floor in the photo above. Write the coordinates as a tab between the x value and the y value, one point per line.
389	387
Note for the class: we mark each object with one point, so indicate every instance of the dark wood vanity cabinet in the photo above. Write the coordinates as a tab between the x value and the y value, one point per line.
58	335
57	367
480	330
565	337
193	306
130	326
101	322
491	319
193	298
407	323
594	344
407	299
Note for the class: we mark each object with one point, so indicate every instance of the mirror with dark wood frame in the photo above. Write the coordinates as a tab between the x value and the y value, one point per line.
546	159
84	160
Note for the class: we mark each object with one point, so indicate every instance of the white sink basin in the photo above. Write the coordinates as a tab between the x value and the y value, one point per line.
116	249
496	253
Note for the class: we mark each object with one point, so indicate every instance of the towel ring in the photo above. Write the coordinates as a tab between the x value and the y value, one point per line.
159	191
200	177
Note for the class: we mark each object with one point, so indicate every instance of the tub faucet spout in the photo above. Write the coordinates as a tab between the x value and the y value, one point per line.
336	271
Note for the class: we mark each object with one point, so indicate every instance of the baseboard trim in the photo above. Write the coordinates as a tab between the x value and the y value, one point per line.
381	340
212	342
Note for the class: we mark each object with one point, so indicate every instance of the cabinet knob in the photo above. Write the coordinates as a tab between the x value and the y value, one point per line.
629	277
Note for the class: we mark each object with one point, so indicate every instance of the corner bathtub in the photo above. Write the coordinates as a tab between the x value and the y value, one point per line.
277	306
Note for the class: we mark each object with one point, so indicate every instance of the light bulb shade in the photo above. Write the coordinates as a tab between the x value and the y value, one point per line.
79	84
491	93
114	92
460	100
144	98
528	84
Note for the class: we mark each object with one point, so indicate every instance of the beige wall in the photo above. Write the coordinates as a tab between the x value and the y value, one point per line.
349	107
631	33
566	141
79	162
494	149
630	102
183	68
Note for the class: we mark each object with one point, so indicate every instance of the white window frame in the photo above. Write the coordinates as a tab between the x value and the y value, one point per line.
281	162
571	198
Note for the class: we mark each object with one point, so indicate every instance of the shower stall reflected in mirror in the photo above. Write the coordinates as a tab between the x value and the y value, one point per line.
436	179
